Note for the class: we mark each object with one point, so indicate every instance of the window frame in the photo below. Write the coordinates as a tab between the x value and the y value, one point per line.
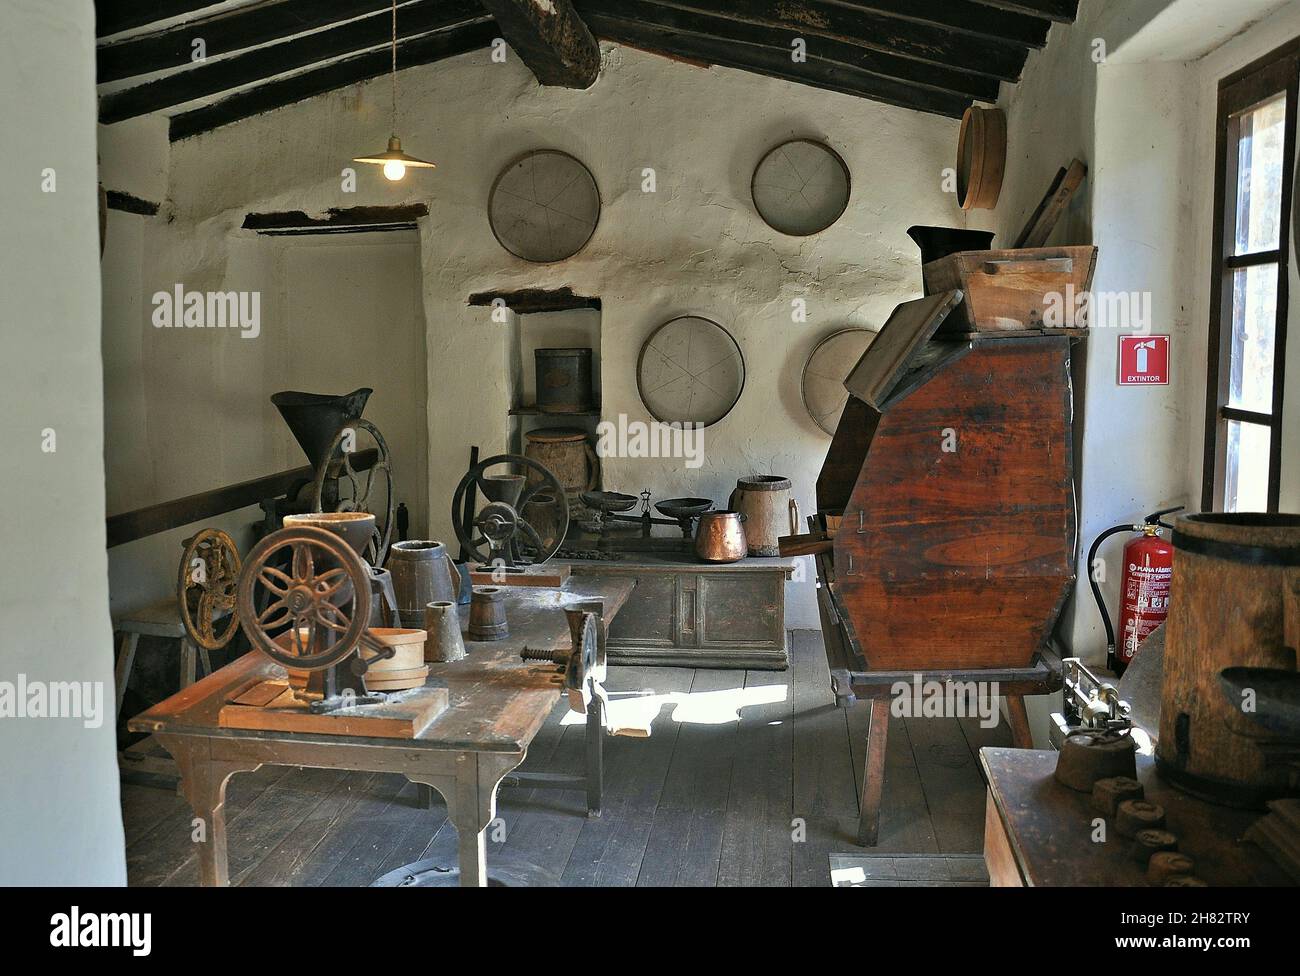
1275	73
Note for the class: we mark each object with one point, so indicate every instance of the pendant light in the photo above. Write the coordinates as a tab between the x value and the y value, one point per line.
393	160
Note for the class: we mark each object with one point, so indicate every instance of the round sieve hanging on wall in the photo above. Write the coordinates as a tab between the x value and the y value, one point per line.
544	206
800	187
822	383
690	371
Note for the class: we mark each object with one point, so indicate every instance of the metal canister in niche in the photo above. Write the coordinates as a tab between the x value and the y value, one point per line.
564	380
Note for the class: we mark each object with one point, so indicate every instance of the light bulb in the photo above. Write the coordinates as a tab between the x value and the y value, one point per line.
394	169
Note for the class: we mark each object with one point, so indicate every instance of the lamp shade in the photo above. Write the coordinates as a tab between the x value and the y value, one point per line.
394	154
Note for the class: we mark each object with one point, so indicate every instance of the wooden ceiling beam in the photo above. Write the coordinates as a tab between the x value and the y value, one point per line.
1006	26
939	77
777	64
115	16
337	74
225	74
811	19
551	39
1061	11
225	33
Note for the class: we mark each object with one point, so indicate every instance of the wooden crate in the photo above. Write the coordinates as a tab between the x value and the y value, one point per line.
1008	290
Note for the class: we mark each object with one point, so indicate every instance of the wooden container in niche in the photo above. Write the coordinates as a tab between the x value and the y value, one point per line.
981	157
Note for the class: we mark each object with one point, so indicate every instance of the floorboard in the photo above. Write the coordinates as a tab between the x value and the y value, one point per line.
748	778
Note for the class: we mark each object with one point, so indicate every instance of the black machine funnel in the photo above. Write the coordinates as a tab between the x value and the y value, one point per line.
314	418
939	242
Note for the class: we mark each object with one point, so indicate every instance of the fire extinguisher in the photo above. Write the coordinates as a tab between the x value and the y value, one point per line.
1144	586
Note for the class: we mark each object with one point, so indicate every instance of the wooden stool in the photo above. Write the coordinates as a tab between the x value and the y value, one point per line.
1040	678
161	619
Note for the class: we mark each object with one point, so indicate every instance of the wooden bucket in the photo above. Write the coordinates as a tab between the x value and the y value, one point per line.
1235	601
764	500
405	669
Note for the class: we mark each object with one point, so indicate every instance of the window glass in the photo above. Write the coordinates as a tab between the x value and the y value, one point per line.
1245	486
1261	136
1254	323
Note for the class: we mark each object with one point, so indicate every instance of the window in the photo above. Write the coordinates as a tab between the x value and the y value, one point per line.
1248	291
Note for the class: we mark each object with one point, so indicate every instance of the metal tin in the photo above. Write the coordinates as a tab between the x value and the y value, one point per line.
564	380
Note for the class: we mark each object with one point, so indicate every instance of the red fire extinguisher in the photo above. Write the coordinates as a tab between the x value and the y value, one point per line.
1144	586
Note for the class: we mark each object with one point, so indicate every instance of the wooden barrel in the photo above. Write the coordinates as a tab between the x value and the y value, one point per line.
764	500
422	572
1235	600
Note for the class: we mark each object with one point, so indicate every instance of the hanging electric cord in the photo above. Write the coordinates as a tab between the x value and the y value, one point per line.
1155	518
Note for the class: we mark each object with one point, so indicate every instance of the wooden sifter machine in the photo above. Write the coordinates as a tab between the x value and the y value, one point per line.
944	537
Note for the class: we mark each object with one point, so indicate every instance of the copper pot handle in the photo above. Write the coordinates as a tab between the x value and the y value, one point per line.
593	466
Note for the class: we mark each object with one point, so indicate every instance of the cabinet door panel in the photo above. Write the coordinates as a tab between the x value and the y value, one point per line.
741	610
649	617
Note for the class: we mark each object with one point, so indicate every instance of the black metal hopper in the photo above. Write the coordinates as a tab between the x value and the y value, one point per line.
314	418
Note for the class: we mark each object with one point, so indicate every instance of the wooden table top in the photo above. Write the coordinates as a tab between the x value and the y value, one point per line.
498	702
1050	828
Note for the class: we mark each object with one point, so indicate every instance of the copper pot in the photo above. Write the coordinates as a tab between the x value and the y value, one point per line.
720	537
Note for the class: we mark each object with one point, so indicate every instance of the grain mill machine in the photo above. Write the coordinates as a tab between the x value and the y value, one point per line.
347	476
309	601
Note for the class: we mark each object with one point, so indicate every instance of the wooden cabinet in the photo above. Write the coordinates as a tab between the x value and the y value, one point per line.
695	615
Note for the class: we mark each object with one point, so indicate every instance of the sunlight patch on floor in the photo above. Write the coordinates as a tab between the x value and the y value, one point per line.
637	709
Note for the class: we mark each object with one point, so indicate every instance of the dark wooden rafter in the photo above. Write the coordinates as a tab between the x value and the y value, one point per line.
995	24
223	74
551	39
777	64
225	33
812	19
115	16
337	74
1061	11
130	203
683	22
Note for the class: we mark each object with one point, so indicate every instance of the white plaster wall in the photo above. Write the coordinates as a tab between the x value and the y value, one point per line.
694	246
59	815
189	410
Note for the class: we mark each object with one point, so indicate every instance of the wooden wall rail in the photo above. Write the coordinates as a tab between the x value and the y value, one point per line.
152	519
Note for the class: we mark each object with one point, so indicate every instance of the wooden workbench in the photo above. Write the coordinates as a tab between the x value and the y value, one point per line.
498	704
1038	832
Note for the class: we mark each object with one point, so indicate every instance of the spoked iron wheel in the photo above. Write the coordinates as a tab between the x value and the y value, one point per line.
363	487
323	597
535	523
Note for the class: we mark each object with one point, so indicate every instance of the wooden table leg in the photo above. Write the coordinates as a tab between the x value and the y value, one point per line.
873	776
595	754
203	784
471	796
122	673
1018	719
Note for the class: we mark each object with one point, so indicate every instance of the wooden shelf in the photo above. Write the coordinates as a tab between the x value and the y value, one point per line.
535	412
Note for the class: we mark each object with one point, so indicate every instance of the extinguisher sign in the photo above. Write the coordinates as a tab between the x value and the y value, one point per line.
1143	360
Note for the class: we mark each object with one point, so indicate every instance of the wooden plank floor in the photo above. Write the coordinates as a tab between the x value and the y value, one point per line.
749	778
